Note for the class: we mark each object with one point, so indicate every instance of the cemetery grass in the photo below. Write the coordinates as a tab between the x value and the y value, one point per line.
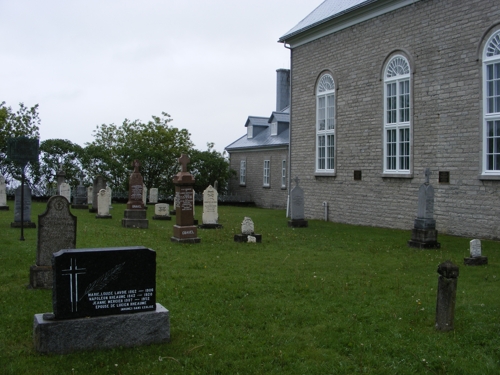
327	299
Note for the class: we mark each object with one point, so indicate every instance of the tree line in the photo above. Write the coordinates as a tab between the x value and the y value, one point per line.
156	144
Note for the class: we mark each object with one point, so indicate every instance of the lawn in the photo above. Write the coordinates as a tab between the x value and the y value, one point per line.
327	299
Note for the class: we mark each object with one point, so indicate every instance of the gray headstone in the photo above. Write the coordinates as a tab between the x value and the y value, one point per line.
56	230
99	183
144	194
27	204
3	192
65	191
475	248
153	195
247	226
103	203
210	213
297	202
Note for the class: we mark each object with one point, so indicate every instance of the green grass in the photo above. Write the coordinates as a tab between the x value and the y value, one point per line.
328	299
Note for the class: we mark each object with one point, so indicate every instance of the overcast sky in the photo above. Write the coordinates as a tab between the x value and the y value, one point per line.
209	64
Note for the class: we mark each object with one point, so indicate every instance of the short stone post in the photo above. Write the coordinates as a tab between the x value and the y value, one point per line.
446	296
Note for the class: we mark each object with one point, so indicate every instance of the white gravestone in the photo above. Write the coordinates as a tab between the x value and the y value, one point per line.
65	191
3	192
475	248
153	195
144	194
102	203
109	193
90	194
210	214
161	211
247	226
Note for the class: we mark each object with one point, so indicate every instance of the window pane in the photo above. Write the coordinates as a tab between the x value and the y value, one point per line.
321	152
330	112
330	152
497	70
321	113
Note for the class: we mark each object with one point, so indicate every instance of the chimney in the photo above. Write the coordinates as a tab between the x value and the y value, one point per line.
282	89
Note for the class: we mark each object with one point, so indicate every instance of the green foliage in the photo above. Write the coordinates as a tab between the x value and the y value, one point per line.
328	299
210	166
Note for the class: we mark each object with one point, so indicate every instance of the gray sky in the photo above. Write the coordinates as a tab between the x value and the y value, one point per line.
209	64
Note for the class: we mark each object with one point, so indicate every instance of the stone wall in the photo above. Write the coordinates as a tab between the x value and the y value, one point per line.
441	40
273	196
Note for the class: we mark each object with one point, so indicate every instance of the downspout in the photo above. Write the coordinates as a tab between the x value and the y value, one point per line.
289	137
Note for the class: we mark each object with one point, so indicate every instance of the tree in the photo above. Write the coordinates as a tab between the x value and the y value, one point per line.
210	166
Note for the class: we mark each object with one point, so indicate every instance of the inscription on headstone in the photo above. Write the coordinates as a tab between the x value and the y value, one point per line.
109	281
161	212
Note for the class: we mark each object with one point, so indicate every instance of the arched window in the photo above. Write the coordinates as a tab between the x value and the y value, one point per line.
397	120
325	124
491	105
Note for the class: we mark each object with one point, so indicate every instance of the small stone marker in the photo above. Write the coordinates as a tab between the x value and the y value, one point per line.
446	296
424	233
476	258
184	228
161	212
297	207
27	209
210	216
99	183
65	191
135	215
102	298
247	232
3	195
153	195
80	198
103	205
56	231
90	195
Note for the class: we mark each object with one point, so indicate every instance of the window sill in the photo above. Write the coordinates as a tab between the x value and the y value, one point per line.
243	185
266	186
491	177
325	174
283	188
396	175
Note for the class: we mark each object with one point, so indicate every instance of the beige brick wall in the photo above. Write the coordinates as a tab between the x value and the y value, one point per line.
273	196
441	39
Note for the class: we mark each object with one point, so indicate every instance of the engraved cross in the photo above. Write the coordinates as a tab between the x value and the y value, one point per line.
73	273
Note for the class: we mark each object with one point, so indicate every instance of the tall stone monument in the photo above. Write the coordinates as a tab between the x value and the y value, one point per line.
210	216
26	209
99	183
80	198
56	231
297	207
135	213
424	233
184	228
3	195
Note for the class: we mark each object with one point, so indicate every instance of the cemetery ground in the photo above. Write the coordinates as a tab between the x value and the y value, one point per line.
327	299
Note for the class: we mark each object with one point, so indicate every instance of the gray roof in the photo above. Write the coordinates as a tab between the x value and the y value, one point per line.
257	121
326	11
280	117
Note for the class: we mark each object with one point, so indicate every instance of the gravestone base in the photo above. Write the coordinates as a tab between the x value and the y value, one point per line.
4	208
103	216
424	239
80	206
41	277
298	223
135	219
476	261
161	217
92	210
27	224
105	332
185	234
210	226
244	237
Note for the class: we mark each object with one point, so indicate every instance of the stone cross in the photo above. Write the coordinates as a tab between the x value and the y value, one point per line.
136	164
427	175
184	161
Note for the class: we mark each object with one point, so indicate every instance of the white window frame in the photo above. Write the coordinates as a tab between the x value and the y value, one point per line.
325	125
397	116
243	172
267	173
491	106
274	128
283	174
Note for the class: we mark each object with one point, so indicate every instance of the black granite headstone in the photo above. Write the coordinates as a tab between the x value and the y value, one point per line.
108	281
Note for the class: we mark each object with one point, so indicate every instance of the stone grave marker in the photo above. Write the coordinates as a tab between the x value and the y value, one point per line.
135	214
424	233
3	195
175	204
297	207
56	231
99	183
80	198
247	232
60	178
102	298
27	209
446	296
65	191
161	212
90	195
153	195
109	193
184	228
210	216
103	205
144	194
476	258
